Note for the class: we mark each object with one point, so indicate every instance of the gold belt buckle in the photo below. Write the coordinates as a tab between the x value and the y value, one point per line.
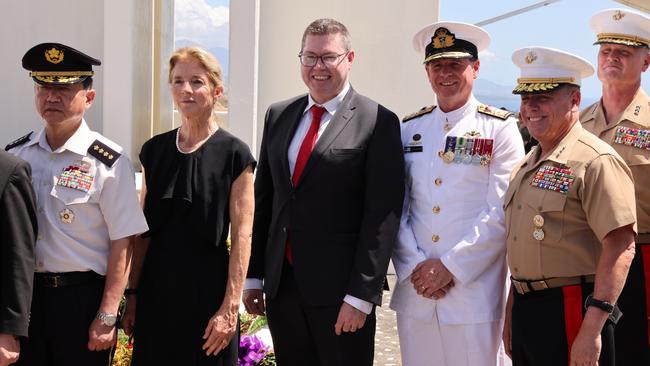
538	285
518	286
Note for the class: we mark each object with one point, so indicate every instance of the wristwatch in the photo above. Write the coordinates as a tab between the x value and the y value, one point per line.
611	309
106	318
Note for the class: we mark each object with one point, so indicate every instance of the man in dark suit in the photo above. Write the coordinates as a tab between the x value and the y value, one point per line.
329	192
17	236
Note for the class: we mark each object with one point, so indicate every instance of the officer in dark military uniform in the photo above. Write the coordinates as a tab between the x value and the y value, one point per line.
570	223
622	119
17	236
87	211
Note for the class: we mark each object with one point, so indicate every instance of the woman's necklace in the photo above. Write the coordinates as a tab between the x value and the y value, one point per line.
178	145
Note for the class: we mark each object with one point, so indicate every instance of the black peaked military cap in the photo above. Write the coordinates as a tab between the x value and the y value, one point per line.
57	64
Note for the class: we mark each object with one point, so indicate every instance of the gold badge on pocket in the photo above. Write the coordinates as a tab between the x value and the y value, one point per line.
66	215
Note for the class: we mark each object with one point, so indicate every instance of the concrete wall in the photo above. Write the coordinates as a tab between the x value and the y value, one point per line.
24	26
132	38
386	67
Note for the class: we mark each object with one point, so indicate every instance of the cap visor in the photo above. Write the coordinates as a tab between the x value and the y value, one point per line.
58	80
455	54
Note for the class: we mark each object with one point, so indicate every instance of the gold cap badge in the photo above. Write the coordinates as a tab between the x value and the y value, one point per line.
442	38
53	55
531	57
618	15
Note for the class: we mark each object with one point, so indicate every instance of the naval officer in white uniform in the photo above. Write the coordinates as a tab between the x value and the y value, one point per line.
450	255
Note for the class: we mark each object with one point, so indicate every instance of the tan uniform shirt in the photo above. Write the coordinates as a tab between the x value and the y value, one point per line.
558	210
630	137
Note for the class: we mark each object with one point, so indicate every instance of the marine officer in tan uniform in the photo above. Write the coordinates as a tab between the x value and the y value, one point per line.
622	119
570	223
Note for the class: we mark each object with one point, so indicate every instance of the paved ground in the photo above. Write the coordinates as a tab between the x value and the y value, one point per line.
386	340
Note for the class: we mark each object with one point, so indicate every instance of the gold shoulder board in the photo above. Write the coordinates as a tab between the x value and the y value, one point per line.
18	142
494	112
103	153
419	113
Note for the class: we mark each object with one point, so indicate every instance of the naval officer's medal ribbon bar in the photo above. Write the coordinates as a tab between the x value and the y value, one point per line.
553	178
76	176
468	150
632	137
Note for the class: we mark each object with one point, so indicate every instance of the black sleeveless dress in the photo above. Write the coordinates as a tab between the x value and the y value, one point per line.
183	279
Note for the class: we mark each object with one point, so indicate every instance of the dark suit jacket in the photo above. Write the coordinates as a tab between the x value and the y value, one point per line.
18	232
343	217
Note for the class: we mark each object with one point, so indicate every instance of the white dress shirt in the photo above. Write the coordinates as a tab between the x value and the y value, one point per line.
109	210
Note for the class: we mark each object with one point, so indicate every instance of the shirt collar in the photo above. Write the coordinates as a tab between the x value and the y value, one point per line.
561	151
331	105
78	143
638	109
458	114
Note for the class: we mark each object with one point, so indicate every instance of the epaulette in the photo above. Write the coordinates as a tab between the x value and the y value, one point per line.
103	153
419	113
494	112
19	141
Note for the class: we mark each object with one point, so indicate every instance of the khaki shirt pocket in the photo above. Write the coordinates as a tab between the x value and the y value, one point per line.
550	206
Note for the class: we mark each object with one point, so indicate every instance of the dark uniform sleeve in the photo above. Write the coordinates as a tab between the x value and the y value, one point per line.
18	232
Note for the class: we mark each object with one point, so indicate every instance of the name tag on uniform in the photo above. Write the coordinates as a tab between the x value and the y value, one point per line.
632	137
553	178
76	176
412	149
468	150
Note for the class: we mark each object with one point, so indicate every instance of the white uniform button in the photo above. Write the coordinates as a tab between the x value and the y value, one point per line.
436	209
435	238
438	182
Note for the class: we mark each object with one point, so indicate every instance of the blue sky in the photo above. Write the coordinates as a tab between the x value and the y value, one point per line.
563	25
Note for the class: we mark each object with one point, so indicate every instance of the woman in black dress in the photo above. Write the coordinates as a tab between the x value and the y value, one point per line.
197	181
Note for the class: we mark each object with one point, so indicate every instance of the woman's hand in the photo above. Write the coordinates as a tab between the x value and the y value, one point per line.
220	330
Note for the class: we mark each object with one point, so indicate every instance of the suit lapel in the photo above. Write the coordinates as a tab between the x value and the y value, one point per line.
342	117
292	117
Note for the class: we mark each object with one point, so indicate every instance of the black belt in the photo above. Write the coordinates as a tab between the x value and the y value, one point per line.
61	279
525	286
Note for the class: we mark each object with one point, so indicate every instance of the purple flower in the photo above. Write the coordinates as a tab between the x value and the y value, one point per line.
251	350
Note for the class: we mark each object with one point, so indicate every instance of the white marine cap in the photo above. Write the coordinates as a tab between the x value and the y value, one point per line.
621	26
450	40
544	69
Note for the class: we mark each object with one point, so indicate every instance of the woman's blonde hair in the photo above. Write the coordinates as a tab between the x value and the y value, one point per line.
205	58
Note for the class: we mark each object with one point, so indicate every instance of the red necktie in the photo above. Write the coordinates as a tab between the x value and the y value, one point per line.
303	155
308	143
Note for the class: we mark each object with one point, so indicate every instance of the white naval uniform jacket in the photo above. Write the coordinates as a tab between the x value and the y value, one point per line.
75	226
460	220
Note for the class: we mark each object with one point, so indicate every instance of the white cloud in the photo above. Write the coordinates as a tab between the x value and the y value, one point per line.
198	21
486	55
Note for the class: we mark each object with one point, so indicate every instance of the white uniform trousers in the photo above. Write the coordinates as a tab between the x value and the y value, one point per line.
428	343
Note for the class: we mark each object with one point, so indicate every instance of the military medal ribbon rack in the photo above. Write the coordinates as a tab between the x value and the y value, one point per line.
468	150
